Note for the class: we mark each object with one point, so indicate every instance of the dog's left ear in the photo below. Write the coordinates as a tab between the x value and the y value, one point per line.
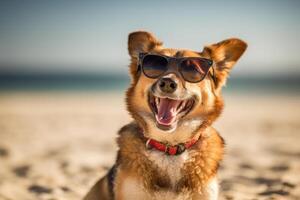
225	54
141	41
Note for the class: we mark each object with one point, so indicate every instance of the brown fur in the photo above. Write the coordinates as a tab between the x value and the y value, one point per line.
202	165
204	157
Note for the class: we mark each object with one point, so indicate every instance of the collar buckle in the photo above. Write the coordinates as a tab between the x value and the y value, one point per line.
180	148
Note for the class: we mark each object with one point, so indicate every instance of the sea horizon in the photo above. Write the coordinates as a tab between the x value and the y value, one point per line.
110	81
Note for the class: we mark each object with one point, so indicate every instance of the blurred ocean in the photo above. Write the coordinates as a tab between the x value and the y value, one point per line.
288	84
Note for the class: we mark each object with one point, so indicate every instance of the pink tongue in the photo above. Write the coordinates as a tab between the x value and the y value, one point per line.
167	111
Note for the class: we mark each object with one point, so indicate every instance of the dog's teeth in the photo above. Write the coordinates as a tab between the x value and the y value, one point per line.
181	106
157	101
173	110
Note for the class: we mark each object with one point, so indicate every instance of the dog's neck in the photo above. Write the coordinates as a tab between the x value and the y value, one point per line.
171	150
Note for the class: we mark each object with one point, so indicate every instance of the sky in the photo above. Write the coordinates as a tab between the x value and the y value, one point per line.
91	36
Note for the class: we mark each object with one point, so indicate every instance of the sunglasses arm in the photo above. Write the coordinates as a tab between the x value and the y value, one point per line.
213	75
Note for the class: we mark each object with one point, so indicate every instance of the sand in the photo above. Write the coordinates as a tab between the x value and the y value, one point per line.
55	145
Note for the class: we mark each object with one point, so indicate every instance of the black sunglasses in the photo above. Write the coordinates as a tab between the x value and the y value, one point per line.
192	69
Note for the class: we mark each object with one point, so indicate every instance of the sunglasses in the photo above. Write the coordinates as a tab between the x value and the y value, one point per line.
192	69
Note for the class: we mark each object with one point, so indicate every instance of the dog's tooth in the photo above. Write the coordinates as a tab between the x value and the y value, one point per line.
179	105
182	105
177	109
174	111
157	101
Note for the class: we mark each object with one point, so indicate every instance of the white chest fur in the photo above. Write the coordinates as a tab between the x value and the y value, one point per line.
134	190
171	165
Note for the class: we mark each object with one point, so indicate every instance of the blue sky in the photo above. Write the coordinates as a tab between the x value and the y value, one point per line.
91	36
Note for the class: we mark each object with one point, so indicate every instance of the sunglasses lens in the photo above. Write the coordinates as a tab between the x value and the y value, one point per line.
154	65
194	69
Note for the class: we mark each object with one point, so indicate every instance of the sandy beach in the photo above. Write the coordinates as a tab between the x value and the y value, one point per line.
55	145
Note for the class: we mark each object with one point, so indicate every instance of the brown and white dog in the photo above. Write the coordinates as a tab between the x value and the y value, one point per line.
170	150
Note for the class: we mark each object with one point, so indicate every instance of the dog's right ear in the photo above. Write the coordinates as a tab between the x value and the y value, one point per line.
141	41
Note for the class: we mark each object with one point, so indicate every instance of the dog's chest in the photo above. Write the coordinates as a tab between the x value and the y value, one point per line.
169	165
172	167
134	190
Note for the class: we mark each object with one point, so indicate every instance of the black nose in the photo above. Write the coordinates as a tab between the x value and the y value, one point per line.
167	85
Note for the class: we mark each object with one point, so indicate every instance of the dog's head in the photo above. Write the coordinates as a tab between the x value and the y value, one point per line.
168	107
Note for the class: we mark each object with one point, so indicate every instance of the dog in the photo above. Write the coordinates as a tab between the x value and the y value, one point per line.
170	150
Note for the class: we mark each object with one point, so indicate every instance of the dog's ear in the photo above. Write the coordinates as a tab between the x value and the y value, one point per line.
225	54
141	41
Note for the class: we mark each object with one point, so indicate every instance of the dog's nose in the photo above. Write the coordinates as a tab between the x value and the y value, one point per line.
167	85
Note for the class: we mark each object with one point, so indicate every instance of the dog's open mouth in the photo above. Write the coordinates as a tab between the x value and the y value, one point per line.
168	111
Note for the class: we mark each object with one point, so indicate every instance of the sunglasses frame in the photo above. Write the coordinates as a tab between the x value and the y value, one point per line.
178	61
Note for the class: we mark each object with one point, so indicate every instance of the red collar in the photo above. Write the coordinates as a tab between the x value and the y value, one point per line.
170	150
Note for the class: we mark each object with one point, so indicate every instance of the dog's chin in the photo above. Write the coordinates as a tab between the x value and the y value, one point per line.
168	112
167	128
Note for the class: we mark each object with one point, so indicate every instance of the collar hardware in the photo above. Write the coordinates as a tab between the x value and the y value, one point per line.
168	149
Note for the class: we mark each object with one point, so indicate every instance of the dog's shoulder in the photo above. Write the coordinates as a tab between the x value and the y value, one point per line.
131	128
129	137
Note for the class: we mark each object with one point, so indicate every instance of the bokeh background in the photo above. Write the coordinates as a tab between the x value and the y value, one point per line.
63	74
